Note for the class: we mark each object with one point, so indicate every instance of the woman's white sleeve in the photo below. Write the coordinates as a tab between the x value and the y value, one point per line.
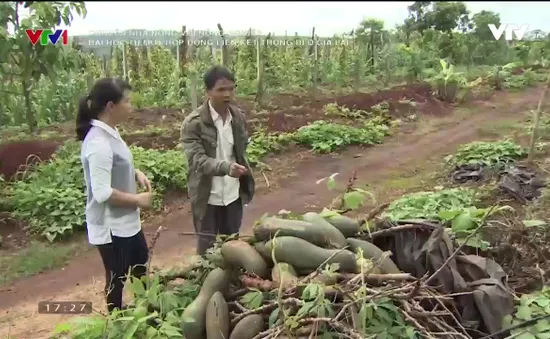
100	160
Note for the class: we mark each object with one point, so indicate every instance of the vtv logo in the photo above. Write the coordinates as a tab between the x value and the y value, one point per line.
509	30
47	36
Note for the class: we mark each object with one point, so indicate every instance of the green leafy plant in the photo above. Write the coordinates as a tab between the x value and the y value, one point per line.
531	306
428	205
51	196
253	299
352	199
263	143
166	169
379	317
333	109
491	154
326	137
499	75
154	313
453	207
466	221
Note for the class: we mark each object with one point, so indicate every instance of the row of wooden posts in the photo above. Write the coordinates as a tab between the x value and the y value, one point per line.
185	53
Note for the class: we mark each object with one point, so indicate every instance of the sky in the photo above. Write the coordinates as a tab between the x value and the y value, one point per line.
276	17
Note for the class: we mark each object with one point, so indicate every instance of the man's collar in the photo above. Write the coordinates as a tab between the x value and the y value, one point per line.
215	115
206	115
112	131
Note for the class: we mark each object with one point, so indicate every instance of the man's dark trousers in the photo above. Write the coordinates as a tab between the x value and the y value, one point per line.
218	220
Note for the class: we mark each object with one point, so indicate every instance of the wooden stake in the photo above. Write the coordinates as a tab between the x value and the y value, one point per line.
536	123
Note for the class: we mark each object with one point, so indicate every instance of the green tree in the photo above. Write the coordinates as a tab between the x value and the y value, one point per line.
18	57
446	16
443	16
371	33
419	19
487	49
437	21
481	21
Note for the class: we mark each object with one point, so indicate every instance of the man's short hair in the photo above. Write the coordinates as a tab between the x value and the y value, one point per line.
216	73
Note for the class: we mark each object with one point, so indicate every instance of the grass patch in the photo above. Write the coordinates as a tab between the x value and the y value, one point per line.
500	128
400	183
36	258
427	124
413	176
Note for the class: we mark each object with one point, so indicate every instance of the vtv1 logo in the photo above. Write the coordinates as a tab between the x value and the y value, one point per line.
509	30
47	36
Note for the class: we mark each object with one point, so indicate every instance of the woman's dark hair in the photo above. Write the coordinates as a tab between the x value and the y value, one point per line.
103	91
216	73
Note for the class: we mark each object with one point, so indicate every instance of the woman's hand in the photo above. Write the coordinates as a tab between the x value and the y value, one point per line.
143	181
144	200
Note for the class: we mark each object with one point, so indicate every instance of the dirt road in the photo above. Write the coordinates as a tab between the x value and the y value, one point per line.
82	279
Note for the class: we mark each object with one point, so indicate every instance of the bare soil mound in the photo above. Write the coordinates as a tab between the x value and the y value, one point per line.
169	141
397	98
143	117
297	111
16	156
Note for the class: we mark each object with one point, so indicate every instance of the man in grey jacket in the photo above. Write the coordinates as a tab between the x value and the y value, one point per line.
220	180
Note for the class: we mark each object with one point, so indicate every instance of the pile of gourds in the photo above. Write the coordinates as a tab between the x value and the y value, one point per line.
283	250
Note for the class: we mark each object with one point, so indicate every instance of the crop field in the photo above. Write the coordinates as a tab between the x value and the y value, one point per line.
401	184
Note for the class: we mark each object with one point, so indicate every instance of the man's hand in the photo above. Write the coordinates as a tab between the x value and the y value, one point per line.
236	170
143	181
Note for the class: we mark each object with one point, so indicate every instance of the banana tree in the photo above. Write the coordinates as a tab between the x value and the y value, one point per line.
448	82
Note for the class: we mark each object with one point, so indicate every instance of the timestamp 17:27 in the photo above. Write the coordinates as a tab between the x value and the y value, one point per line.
64	307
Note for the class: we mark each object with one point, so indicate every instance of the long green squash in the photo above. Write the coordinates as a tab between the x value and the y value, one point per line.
370	251
248	327
262	250
241	254
267	227
217	317
303	255
348	226
193	318
334	237
285	274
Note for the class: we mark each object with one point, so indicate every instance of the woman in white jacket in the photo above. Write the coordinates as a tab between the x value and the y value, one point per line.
113	204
